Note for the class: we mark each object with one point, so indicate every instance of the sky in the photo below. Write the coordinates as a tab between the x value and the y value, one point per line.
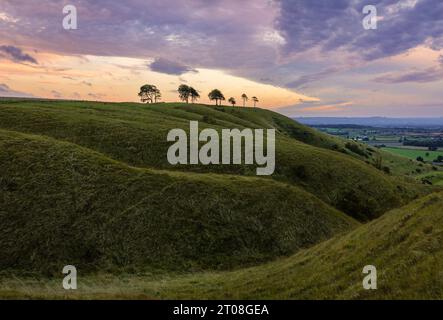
299	57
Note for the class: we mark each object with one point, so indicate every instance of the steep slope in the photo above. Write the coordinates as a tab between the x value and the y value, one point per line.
136	134
63	204
405	245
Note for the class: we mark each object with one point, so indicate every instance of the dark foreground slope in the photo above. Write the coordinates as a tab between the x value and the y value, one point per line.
136	135
63	204
406	246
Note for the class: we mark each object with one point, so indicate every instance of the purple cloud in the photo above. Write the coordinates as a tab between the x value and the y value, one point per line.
305	80
170	67
296	43
6	91
422	76
16	54
222	34
337	25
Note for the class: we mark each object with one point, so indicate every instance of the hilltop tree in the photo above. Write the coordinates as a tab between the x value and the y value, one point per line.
184	92
149	93
216	95
255	99
232	101
157	95
245	98
194	94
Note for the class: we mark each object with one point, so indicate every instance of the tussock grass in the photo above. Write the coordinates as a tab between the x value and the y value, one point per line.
405	245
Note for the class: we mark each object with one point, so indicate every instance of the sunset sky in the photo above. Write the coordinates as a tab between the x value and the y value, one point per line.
299	57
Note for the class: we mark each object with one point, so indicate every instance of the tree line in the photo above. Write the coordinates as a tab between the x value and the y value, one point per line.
151	94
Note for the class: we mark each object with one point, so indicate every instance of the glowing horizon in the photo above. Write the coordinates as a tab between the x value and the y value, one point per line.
293	63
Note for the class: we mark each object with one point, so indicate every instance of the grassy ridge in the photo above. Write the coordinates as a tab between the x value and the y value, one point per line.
405	245
63	204
136	134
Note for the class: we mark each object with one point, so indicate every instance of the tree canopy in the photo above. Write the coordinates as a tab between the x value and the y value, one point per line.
245	98
255	99
185	92
149	93
216	95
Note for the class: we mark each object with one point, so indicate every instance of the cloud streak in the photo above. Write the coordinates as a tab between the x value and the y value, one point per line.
421	76
16	54
6	91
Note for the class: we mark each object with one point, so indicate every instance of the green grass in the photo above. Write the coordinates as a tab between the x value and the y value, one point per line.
135	134
403	166
63	204
405	245
414	153
436	177
88	184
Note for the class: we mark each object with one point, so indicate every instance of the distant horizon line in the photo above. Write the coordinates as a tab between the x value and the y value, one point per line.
366	117
274	110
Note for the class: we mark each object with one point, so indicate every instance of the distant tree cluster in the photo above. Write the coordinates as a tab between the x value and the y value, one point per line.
432	144
151	94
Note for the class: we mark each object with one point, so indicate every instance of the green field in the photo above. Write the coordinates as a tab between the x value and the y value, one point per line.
414	153
436	178
88	184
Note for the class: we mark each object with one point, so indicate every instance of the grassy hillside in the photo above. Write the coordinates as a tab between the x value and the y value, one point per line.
88	184
435	177
333	170
405	245
64	204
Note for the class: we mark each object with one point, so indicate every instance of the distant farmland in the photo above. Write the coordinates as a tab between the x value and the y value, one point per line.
414	153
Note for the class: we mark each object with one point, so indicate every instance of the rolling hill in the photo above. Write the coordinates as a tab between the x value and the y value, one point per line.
61	202
88	184
405	245
136	135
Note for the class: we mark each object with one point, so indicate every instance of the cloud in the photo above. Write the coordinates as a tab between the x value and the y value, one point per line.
96	96
235	36
298	44
421	76
170	67
6	91
56	94
314	107
304	80
337	26
16	54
